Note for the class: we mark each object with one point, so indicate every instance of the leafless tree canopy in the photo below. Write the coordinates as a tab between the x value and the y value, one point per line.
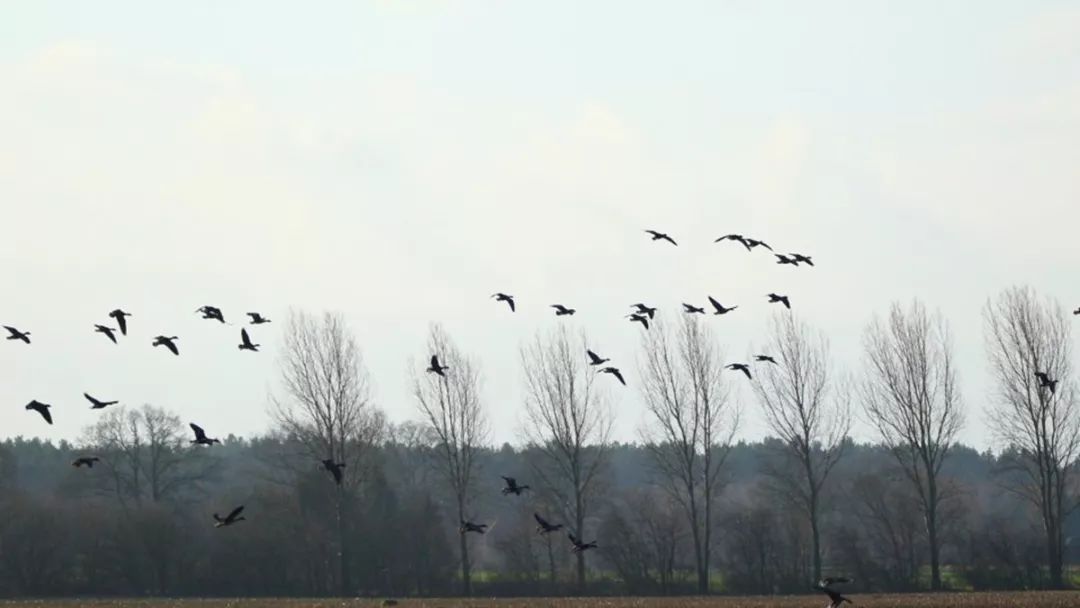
808	409
1026	335
911	397
691	424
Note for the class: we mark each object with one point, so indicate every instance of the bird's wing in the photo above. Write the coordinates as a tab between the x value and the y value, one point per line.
765	245
91	399
510	301
540	520
645	322
670	240
45	414
618	375
235	512
199	432
592	356
244	337
434	362
746	371
715	304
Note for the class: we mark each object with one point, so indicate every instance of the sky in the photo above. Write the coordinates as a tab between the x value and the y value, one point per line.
398	161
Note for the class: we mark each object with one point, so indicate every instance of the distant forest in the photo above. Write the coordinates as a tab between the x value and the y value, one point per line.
339	502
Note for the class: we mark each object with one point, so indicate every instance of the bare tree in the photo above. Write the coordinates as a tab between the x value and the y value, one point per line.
1026	336
567	421
452	410
692	424
809	411
327	407
912	398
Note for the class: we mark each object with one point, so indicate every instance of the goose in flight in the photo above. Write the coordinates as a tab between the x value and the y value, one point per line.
85	461
639	319
509	299
802	259
211	312
245	342
835	599
200	436
257	319
720	310
783	259
734	237
774	298
1046	382
1077	311
14	334
580	546
468	526
109	332
614	371
660	236
751	243
97	404
691	309
435	368
561	310
512	486
41	408
121	319
543	526
742	367
229	519
168	342
335	469
645	310
595	359
765	359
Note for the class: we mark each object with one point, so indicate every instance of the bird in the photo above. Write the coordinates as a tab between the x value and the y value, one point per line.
742	367
211	312
200	436
1046	382
751	243
561	310
15	334
1077	311
97	404
468	526
580	546
645	310
660	236
690	308
435	368
168	342
803	259
121	319
734	237
595	359
245	342
835	599
509	299
783	259
229	519
512	486
614	371
41	408
87	461
639	319
774	298
108	331
257	319
765	358
720	310
335	469
543	526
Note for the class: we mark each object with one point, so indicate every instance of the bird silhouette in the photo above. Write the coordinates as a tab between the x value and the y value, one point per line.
435	368
595	359
835	599
783	259
742	367
121	319
774	298
211	312
14	334
765	358
751	243
802	259
97	404
168	342
1046	382
690	308
660	236
1077	311
512	486
580	546
229	519
85	461
257	319
720	310
543	526
614	371
109	332
636	318
41	408
468	526
200	436
645	310
561	310
509	299
734	237
335	469
245	342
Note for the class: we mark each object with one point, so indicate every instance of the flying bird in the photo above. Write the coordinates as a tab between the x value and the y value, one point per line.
580	546
211	312
97	404
660	236
509	299
41	408
512	486
468	526
1077	311
229	519
765	358
200	436
335	469
121	319
14	334
802	259
690	309
257	319
543	526
614	371
595	359
742	367
751	243
734	237
168	342
561	310
1046	382
639	319
774	298
720	310
109	332
435	368
645	310
835	599
245	342
85	461
783	259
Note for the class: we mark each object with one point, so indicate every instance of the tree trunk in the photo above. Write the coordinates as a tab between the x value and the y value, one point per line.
815	534
466	573
551	562
932	533
343	554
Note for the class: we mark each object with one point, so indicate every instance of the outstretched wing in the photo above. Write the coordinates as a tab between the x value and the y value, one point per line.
200	434
244	337
593	356
540	520
235	512
435	362
615	372
715	304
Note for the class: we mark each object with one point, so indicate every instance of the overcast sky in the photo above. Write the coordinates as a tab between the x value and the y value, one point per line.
400	160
